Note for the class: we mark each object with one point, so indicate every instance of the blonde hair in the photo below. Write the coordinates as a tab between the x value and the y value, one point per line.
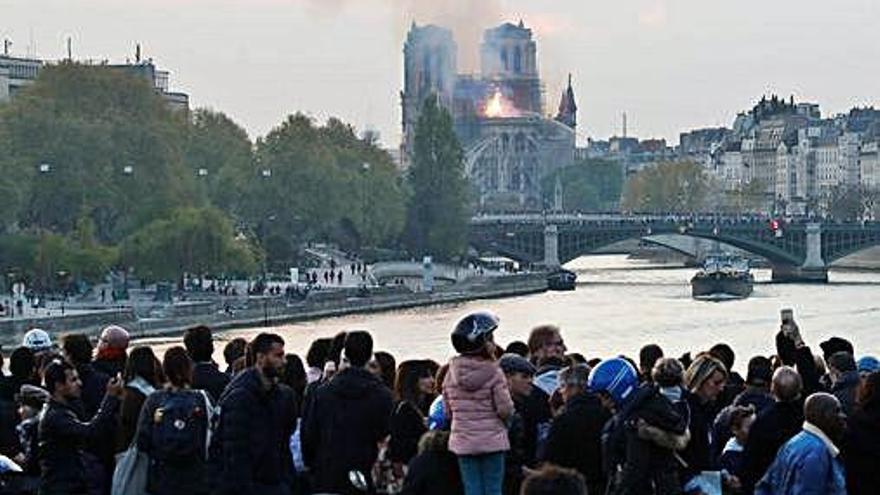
701	370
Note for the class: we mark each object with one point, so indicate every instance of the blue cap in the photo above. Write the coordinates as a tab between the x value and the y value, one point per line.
437	419
616	377
868	364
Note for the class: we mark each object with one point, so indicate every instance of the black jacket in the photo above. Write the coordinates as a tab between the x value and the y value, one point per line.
434	471
208	377
634	463
407	426
861	451
760	399
109	367
845	390
536	417
698	454
771	429
575	439
345	420
251	441
62	437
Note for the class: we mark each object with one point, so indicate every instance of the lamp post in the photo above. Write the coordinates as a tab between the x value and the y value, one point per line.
365	168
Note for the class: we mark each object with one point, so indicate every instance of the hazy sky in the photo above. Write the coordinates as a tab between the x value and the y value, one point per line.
671	65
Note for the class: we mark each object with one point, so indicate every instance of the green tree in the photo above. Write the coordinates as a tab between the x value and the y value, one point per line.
587	185
668	187
197	241
221	149
95	142
439	209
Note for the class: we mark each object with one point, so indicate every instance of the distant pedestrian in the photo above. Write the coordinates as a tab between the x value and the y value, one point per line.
206	375
339	277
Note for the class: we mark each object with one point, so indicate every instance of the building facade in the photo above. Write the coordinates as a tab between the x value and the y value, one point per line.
15	74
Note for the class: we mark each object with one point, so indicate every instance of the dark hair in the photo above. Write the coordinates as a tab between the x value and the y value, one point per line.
554	361
554	480
263	343
177	366
406	386
387	367
760	372
234	350
22	364
724	354
337	344
199	343
294	374
77	348
317	353
439	377
868	393
55	373
142	362
842	361
358	348
575	358
668	372
648	357
738	414
517	347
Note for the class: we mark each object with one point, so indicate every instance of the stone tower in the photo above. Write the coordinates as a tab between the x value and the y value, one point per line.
508	58
567	107
429	69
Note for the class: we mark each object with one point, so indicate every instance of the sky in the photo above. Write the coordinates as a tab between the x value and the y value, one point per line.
671	65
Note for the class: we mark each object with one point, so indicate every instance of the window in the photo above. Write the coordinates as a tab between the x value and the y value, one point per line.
517	60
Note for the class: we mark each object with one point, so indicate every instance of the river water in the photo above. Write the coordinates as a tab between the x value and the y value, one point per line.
622	304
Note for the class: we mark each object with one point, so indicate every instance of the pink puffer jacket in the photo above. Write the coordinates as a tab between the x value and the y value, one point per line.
476	395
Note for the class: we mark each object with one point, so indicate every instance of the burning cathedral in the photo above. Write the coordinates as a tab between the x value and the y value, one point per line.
510	145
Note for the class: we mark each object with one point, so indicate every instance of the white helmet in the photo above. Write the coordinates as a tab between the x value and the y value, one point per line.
37	340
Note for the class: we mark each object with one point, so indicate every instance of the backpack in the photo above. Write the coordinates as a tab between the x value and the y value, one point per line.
179	427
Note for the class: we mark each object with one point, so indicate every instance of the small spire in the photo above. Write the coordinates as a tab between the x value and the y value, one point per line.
521	24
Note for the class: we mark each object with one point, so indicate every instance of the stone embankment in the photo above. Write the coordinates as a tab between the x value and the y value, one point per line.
244	312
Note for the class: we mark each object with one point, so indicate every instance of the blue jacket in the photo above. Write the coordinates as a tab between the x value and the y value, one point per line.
804	466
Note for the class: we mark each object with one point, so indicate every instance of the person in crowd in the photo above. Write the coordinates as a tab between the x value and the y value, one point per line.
553	480
575	439
741	419
112	346
344	422
31	401
437	417
639	441
22	368
142	376
793	351
434	471
315	359
62	434
173	430
477	396
413	393
830	347
867	365
648	356
294	376
705	380
545	341
861	445
517	347
547	376
757	391
232	352
772	427
257	418
78	352
38	341
735	383
384	366
810	461
519	372
206	374
845	379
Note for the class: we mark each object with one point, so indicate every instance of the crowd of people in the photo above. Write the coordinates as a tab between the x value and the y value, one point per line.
529	418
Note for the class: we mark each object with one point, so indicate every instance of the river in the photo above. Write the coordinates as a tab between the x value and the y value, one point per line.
622	304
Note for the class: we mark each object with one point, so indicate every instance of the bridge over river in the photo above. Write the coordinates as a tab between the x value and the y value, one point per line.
799	250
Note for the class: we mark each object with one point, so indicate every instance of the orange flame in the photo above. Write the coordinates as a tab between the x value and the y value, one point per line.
499	107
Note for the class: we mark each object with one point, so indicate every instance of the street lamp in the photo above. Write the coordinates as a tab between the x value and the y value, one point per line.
365	168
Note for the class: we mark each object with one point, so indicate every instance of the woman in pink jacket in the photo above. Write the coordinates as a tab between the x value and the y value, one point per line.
476	396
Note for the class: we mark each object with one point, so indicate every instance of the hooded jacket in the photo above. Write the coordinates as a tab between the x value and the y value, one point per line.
476	394
346	419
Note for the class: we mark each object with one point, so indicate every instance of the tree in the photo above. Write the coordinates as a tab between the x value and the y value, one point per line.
198	241
668	187
587	185
222	149
439	209
94	142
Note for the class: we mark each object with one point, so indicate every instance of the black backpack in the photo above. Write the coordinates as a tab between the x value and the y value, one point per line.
179	427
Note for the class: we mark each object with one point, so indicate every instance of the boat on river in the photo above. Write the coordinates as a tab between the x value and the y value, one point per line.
561	280
723	276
